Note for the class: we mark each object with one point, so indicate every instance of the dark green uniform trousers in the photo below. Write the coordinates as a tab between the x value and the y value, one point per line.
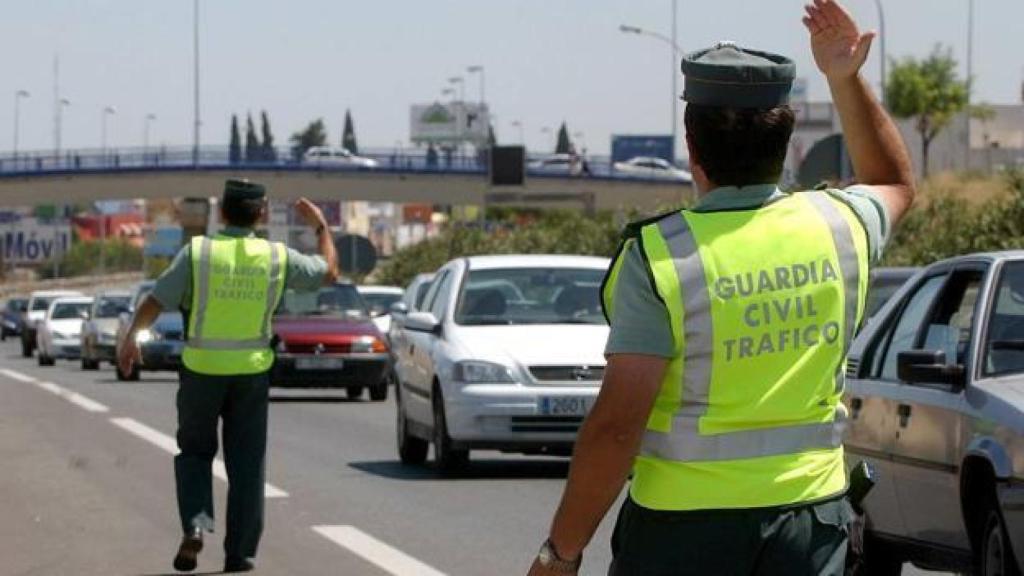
804	540
241	401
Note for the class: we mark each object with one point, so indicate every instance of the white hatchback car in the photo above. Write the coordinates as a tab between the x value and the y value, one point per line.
379	300
506	354
653	168
58	334
331	156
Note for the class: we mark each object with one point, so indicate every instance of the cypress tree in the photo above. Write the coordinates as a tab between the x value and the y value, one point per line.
348	137
252	142
267	146
235	147
564	144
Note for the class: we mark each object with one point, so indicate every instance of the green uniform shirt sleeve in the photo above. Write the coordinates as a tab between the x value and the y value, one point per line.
872	213
305	272
174	286
640	321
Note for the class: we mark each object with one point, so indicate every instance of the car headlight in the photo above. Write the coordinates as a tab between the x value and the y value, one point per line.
143	336
365	344
473	371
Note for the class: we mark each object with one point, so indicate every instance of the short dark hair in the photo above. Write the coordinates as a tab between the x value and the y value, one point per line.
244	213
740	146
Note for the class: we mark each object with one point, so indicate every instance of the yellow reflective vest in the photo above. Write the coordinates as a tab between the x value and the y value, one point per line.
763	306
236	285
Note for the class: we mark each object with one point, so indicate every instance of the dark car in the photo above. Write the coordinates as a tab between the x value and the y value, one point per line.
13	317
160	345
326	339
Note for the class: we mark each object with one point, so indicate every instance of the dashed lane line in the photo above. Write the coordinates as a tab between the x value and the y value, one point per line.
169	445
74	397
384	556
17	376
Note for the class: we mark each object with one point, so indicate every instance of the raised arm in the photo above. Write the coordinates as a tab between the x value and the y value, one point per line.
880	158
315	218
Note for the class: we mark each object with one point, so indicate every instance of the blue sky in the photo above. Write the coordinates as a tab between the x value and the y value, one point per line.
546	61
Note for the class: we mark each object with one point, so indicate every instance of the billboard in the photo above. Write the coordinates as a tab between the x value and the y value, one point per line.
28	240
450	123
626	147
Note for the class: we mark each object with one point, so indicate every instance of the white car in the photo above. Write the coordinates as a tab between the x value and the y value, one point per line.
38	303
332	156
59	333
651	167
557	164
378	301
506	354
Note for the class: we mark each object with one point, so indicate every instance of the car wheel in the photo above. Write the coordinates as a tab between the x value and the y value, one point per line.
26	348
879	560
354	392
379	392
996	555
411	450
449	460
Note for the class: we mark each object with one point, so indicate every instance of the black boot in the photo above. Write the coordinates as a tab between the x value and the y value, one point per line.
188	552
238	564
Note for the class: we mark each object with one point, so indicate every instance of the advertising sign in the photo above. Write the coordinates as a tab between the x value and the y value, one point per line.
626	147
162	241
448	123
28	240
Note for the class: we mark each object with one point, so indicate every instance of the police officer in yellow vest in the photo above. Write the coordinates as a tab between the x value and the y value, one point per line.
228	286
730	324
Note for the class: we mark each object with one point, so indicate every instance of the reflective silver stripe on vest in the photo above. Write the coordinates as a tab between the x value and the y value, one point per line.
196	340
686	444
849	267
203	288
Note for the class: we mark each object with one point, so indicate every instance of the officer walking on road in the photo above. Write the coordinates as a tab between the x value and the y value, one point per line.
227	286
730	324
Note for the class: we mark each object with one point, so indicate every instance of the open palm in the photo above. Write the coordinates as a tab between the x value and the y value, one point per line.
838	45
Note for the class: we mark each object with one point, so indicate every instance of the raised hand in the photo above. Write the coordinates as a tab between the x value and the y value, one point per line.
839	47
309	212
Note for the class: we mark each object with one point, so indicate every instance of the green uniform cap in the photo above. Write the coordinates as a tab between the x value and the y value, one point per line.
242	189
730	76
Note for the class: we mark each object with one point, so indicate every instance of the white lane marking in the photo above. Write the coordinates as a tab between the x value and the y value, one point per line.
388	558
170	445
17	376
86	403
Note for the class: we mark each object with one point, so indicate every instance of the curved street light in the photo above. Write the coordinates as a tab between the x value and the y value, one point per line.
107	111
462	86
478	69
676	50
18	95
145	132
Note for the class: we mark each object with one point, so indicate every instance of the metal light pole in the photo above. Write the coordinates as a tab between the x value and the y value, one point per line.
519	124
450	92
195	83
478	69
970	80
676	50
881	45
546	131
107	111
61	104
145	132
18	95
462	86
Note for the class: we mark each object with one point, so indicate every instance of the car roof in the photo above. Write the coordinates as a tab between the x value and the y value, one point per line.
537	261
379	290
1000	256
114	294
72	300
53	293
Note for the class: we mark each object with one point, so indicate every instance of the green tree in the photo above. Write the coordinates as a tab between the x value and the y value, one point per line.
348	137
269	153
928	91
235	147
564	144
252	142
314	134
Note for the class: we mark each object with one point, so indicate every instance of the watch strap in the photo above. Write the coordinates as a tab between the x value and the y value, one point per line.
552	560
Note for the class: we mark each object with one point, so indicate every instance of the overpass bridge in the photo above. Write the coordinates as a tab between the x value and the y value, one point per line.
400	176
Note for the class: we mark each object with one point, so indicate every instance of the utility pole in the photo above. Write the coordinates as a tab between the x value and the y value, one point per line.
18	95
881	46
195	83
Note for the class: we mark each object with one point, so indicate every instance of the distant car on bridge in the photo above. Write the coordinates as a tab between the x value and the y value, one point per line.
653	168
329	156
557	164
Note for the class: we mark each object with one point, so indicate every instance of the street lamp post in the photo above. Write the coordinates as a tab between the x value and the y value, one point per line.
881	46
195	83
478	69
462	86
61	104
546	131
145	133
675	50
107	111
18	95
519	125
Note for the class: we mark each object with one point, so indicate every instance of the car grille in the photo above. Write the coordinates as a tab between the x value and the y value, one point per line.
578	373
545	423
852	365
312	348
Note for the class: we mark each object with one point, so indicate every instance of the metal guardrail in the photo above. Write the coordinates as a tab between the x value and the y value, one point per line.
163	159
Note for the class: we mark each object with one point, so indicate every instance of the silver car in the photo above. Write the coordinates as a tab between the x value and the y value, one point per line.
99	332
935	393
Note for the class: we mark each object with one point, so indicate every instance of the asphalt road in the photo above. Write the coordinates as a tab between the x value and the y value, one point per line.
88	488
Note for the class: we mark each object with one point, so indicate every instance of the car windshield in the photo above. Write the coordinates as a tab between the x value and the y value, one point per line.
531	296
380	303
340	300
70	310
111	306
41	303
16	304
1004	348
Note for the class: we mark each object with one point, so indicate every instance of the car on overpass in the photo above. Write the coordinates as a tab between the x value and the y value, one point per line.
38	303
58	333
557	164
652	168
99	332
935	400
12	318
160	345
326	339
478	369
329	156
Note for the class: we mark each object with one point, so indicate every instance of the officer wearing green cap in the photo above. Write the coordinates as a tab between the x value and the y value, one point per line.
730	324
227	286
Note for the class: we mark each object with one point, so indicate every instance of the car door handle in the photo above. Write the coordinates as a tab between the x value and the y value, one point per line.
855	405
904	413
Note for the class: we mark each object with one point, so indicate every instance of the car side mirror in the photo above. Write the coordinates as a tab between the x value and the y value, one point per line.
423	322
928	367
399	308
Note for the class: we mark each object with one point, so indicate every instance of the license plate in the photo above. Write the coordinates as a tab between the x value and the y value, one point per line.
564	406
318	363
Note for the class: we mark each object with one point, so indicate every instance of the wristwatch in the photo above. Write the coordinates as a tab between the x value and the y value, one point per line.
320	229
548	558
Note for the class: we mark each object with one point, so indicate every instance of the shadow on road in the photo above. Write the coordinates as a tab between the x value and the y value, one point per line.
141	381
476	470
313	399
179	574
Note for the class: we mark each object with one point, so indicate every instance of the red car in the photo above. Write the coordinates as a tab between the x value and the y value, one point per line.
326	339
